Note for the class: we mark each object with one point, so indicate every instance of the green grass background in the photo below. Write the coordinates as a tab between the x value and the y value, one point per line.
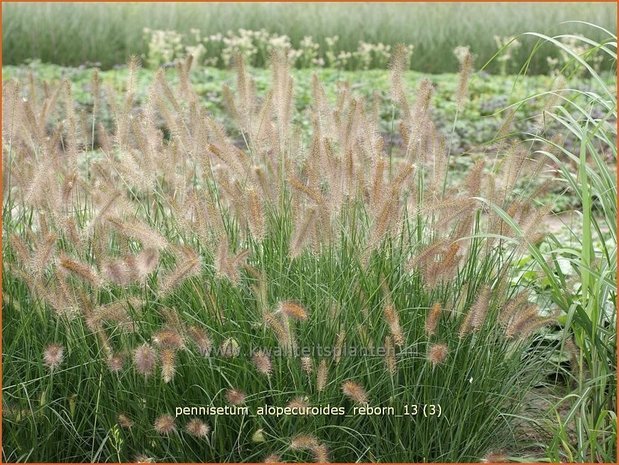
72	34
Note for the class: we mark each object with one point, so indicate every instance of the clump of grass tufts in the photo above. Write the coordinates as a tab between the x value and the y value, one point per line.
586	302
233	255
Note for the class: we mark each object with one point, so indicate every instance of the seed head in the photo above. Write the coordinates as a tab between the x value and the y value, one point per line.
525	328
230	348
466	68
146	261
393	321
168	338
432	319
281	332
168	364
293	310
164	424
307	365
302	231
140	232
124	421
303	442
437	353
390	358
524	317
476	315
320	453
321	376
509	310
355	392
339	346
189	268
480	308
115	362
272	458
53	356
298	402
197	428
145	358
201	339
81	270
256	215
227	264
262	362
42	255
235	396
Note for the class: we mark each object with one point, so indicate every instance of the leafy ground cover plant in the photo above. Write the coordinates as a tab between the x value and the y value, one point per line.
182	268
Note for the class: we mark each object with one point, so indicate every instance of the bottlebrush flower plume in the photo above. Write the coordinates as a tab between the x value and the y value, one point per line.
124	421
303	441
307	365
281	332
293	310
321	453
115	363
230	348
184	270
262	362
298	402
168	364
145	358
168	338
321	376
164	424
141	458
131	268
197	428
509	310
476	315
53	356
146	261
339	347
355	391
81	270
433	318
390	358
256	216
235	396
437	353
201	339
393	321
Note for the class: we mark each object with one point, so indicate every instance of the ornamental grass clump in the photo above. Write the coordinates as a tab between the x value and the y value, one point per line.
584	288
213	263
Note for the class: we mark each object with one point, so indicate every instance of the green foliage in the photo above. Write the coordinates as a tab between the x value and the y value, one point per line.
60	169
76	34
362	235
579	267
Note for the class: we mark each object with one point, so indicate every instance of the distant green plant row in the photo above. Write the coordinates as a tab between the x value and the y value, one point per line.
334	35
166	47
